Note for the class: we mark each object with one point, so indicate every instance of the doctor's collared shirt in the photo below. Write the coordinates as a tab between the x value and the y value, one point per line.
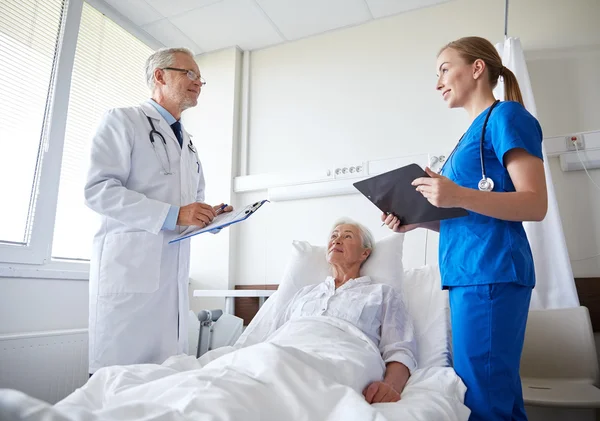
376	309
171	219
163	112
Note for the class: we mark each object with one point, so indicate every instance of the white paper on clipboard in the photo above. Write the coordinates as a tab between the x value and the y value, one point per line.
221	221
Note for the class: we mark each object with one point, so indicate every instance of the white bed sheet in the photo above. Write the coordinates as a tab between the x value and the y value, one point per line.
294	375
425	301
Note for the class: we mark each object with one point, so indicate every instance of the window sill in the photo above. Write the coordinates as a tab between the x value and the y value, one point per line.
53	270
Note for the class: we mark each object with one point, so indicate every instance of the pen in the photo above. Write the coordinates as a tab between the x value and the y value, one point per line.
220	210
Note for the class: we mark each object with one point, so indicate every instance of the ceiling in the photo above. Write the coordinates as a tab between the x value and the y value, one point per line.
209	25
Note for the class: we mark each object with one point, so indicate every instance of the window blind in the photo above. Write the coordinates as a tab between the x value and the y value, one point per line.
30	34
108	72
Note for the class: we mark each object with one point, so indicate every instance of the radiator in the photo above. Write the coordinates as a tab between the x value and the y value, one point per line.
45	365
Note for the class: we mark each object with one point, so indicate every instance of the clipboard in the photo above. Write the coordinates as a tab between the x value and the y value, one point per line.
392	192
221	221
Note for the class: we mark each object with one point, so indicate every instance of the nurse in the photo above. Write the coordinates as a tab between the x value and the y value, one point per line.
485	259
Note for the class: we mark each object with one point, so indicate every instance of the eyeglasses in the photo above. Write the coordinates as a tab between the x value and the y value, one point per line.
189	73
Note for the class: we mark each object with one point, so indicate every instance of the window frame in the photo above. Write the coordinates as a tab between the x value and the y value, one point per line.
34	260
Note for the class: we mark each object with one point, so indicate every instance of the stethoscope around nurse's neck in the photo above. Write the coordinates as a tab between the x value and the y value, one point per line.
152	134
486	183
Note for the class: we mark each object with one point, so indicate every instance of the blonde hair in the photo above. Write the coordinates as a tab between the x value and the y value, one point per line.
474	48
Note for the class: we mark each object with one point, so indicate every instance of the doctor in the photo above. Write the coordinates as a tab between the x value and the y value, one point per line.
496	173
146	182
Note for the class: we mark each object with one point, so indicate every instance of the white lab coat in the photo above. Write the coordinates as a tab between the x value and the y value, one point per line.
138	282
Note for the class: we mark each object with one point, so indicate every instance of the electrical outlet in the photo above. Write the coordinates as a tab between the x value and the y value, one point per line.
349	171
575	139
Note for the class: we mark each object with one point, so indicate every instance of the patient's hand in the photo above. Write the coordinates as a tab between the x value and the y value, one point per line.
378	392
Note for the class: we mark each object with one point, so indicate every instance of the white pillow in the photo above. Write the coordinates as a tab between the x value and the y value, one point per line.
308	265
421	289
429	308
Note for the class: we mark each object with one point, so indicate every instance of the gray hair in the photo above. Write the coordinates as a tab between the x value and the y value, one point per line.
160	59
365	234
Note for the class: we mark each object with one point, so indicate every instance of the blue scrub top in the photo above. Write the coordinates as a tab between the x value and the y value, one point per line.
478	249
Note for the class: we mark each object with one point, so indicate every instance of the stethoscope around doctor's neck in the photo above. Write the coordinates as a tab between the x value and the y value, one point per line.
151	135
486	183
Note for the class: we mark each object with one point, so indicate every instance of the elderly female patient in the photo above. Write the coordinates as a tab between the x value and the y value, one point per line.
376	309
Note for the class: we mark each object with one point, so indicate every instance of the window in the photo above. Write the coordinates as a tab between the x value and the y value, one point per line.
108	72
63	64
30	33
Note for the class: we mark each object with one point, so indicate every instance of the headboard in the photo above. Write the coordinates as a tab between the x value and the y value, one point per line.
588	290
247	307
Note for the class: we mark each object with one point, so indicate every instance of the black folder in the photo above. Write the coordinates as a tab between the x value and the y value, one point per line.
393	193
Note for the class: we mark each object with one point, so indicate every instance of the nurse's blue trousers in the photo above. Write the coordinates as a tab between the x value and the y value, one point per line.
488	330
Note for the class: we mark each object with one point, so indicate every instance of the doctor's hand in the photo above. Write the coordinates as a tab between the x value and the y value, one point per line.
393	223
440	191
378	392
218	210
197	214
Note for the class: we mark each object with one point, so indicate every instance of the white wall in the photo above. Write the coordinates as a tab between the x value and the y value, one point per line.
368	92
213	124
35	305
567	93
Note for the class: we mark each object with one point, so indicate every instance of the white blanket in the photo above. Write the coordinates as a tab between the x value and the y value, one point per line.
313	368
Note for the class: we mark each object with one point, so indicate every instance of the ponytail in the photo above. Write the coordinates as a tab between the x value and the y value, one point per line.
512	92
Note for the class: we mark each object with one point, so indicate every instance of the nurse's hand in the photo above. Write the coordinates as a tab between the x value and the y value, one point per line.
440	191
197	214
378	392
393	223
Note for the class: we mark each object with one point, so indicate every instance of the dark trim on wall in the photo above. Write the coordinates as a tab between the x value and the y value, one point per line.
246	308
588	290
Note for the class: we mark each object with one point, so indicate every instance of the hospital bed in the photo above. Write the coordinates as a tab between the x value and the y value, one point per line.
285	382
426	303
